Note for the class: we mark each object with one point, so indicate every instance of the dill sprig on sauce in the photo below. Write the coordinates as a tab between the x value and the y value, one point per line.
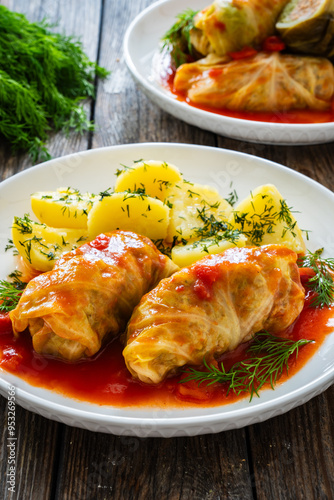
322	281
43	76
269	356
177	38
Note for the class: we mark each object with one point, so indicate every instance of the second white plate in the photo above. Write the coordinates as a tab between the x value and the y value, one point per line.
141	42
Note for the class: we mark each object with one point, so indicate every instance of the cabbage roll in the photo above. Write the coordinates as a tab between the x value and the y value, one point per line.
229	25
211	307
89	295
307	26
265	82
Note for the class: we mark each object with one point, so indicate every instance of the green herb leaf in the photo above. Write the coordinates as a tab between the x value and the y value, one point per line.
269	355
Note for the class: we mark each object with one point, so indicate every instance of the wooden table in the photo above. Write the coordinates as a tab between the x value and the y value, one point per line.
287	457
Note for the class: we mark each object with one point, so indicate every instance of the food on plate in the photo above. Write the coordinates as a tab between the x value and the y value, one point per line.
248	288
211	307
265	218
154	177
229	25
264	82
40	245
307	26
230	58
131	211
89	295
65	207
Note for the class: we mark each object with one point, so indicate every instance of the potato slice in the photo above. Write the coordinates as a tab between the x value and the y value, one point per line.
65	207
131	212
192	207
185	255
265	218
153	176
40	245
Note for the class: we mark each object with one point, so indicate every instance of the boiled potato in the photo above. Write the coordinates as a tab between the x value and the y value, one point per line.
65	207
153	176
192	207
141	214
266	219
185	255
40	245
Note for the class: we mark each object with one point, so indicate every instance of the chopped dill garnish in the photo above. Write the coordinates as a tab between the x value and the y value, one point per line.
106	193
177	38
269	356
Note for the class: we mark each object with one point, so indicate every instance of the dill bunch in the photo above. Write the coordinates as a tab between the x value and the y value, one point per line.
177	38
43	77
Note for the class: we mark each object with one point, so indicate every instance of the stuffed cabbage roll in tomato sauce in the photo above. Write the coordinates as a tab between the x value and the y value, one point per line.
265	82
90	294
211	307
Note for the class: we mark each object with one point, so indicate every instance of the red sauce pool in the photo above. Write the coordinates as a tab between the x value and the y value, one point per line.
104	380
293	117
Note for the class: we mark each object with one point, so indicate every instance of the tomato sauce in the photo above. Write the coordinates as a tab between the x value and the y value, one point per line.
105	380
293	117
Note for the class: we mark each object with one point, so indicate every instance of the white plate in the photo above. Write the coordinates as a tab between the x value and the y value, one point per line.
141	43
94	171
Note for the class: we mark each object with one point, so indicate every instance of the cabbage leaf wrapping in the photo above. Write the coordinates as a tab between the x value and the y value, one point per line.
211	307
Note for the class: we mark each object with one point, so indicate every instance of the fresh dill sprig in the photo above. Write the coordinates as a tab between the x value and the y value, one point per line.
43	76
322	282
269	355
177	38
11	291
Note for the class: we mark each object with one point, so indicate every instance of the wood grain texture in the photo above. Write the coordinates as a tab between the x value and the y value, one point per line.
288	457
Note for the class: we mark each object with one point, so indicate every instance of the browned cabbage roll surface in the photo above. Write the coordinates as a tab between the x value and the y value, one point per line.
265	82
211	307
90	293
